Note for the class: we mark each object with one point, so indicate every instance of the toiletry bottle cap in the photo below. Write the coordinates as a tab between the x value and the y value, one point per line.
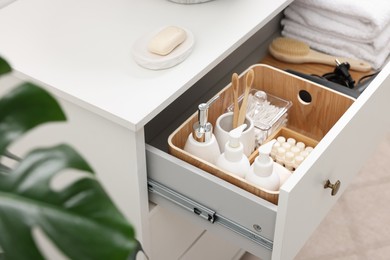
235	135
281	139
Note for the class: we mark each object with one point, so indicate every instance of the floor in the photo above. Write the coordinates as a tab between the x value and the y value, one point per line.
358	226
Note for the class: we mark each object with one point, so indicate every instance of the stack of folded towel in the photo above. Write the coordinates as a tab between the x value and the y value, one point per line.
346	28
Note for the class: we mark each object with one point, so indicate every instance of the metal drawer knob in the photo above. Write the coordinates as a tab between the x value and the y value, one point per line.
335	187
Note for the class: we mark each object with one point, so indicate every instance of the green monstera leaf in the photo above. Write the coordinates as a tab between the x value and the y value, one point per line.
80	219
4	66
24	108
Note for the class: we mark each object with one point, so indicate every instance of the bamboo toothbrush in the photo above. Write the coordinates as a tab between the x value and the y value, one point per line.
248	84
295	51
236	109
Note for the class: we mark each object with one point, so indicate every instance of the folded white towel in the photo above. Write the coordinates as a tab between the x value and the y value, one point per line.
329	44
369	14
339	26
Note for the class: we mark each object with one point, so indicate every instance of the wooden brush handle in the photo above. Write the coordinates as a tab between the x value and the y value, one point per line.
248	84
318	57
241	116
236	108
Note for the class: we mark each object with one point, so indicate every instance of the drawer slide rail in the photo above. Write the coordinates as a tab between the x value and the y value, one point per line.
206	213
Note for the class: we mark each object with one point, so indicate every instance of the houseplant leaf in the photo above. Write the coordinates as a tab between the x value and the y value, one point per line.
4	67
80	219
24	108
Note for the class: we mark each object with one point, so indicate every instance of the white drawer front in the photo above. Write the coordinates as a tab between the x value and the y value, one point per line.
303	201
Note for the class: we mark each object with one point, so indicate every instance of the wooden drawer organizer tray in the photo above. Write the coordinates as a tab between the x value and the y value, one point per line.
307	119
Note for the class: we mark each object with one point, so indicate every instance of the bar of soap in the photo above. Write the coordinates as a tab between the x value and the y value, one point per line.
165	41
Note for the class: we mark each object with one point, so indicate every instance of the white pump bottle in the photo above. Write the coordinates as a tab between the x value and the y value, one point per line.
264	172
233	159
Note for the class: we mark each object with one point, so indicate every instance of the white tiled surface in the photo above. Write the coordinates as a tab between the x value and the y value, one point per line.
358	226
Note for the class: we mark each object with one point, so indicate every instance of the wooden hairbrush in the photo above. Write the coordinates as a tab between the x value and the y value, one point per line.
295	51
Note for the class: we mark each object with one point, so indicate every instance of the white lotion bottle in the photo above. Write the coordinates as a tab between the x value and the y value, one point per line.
202	142
264	172
233	159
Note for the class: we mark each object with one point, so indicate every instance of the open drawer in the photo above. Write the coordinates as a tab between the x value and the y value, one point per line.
258	226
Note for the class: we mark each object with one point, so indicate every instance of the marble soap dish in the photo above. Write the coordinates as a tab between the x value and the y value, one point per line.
149	60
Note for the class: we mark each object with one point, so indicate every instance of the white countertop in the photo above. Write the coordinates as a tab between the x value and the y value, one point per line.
82	48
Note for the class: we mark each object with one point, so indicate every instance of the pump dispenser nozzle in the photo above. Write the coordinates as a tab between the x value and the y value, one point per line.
235	135
266	149
201	142
203	130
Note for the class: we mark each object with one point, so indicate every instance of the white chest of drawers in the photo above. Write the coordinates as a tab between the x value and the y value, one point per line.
81	51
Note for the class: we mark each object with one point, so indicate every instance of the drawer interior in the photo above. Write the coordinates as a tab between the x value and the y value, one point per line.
239	205
315	110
